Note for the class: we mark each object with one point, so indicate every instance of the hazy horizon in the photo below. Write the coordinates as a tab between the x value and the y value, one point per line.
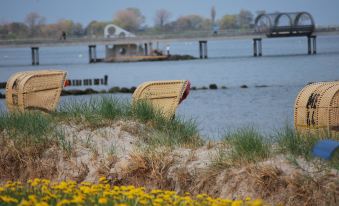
84	11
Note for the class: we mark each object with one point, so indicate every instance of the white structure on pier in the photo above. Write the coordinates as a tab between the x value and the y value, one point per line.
113	31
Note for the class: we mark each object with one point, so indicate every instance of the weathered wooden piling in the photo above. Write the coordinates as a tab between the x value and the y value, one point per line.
203	49
35	55
106	79
92	53
257	47
312	44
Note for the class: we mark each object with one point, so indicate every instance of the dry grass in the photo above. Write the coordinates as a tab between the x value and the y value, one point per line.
145	167
268	179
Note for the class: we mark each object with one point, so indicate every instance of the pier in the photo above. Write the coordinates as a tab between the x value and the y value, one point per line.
275	25
279	24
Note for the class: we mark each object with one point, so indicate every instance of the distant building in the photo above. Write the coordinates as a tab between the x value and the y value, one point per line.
113	31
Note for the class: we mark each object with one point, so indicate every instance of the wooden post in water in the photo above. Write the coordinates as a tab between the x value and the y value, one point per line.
200	49
257	47
92	53
314	44
35	55
203	49
309	46
254	47
106	79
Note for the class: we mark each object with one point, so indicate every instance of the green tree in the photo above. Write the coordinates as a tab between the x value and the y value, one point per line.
18	30
96	28
189	22
228	21
130	19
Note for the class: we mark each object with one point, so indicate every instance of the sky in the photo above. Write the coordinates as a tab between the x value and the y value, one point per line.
325	12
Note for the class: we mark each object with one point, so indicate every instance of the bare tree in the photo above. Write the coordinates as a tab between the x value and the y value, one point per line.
130	19
245	18
162	17
34	22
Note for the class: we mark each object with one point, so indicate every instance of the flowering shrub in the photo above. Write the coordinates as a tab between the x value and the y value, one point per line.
42	192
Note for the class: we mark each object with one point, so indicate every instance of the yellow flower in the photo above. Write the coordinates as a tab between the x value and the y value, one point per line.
24	203
45	181
35	182
63	202
32	198
102	179
158	200
42	204
237	203
78	199
8	199
143	202
247	199
102	200
257	203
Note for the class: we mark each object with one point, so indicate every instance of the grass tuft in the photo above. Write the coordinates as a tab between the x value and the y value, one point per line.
292	142
247	145
29	128
161	131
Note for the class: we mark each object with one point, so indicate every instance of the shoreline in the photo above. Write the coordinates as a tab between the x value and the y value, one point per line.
116	89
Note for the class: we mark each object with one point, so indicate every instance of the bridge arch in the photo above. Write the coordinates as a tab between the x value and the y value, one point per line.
283	20
304	18
285	24
263	23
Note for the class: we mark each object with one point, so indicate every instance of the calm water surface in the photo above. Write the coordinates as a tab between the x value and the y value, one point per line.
284	68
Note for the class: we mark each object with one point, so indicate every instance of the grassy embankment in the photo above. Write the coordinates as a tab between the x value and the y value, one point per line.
166	154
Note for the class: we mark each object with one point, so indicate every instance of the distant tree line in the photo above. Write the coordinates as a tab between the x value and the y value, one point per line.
131	19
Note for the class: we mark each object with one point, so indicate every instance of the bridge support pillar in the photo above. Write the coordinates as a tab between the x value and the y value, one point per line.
92	53
203	49
312	44
35	55
257	47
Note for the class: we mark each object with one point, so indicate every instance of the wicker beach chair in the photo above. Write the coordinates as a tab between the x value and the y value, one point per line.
317	109
163	95
34	90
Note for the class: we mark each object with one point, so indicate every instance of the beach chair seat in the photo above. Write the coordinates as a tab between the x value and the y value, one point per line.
38	90
325	148
163	95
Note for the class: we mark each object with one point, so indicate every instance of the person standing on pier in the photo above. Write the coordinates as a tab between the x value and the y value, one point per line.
63	35
168	50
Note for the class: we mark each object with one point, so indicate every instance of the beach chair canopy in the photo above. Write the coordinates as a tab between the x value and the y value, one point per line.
317	109
39	90
163	95
325	148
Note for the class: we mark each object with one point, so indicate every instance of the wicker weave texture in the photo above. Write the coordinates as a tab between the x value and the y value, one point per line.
317	109
34	90
163	95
